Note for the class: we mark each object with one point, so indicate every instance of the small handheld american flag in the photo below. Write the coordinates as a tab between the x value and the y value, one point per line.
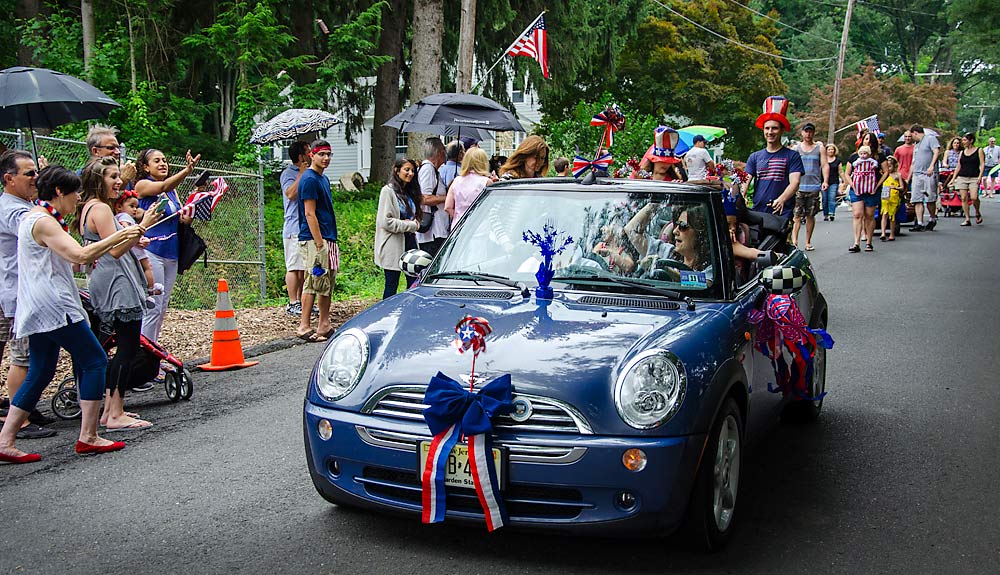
201	204
534	44
870	123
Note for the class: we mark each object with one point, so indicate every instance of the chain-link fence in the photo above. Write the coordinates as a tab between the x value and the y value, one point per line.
234	236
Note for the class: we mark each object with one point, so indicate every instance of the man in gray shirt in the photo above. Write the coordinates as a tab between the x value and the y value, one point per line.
924	177
298	153
19	173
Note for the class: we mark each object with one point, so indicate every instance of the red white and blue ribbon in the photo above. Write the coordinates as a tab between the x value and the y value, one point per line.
454	411
781	326
613	120
600	163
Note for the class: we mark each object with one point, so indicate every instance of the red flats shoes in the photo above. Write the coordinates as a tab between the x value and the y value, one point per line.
88	449
26	458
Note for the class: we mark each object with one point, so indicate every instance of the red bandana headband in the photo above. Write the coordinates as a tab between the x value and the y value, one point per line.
318	149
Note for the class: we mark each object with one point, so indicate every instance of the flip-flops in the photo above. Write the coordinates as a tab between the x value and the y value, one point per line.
311	336
869	248
979	219
810	247
854	249
134	426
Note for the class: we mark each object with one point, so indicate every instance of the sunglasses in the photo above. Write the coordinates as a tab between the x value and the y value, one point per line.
682	226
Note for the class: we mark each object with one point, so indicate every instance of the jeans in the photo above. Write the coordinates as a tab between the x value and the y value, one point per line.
164	272
830	201
392	283
90	363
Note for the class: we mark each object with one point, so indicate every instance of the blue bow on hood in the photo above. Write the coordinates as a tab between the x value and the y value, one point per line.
449	402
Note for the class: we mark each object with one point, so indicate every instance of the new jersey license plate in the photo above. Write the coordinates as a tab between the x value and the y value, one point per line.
458	470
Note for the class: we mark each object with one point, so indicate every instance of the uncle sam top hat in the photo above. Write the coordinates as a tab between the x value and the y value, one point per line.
664	143
775	108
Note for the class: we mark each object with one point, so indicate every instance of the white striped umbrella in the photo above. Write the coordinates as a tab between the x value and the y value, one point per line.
292	123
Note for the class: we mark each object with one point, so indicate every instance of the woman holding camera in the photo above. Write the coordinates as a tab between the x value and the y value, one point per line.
153	179
50	314
397	222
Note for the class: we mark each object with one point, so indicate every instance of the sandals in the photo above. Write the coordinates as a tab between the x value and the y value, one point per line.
964	224
883	238
979	219
311	337
869	248
810	247
854	249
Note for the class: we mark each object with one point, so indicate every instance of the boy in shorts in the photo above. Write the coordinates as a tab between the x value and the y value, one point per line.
317	242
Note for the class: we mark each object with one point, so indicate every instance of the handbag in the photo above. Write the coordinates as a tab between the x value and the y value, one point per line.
426	220
190	247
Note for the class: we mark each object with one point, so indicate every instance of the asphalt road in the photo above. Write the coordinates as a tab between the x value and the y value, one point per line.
899	476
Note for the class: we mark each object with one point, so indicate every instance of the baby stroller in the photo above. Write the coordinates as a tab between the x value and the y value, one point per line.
176	379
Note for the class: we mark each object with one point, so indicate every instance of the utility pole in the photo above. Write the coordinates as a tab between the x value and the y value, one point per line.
933	75
466	46
840	71
982	113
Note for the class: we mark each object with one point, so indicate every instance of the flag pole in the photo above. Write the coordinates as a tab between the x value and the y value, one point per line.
504	53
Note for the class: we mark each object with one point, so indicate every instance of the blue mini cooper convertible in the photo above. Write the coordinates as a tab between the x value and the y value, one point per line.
636	384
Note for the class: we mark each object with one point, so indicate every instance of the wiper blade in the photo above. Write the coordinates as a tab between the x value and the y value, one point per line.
480	276
676	295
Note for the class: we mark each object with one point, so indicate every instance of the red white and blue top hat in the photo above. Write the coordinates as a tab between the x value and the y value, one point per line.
664	143
775	108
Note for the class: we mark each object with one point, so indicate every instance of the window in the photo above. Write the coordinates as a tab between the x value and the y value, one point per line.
402	141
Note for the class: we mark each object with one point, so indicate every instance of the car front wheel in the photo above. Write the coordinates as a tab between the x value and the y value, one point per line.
713	503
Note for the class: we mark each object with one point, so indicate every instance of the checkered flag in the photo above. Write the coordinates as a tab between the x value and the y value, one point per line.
783	279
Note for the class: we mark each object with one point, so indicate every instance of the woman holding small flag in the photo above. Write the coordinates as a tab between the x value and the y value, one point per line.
117	285
153	181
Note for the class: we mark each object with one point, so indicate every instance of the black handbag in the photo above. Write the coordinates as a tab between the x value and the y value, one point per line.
190	247
426	220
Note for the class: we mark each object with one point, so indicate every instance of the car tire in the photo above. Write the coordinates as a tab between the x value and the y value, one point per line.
804	410
711	512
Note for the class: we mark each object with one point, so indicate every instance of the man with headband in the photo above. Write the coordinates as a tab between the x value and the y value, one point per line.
317	242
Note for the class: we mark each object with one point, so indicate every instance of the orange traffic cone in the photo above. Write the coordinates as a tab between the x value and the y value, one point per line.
227	353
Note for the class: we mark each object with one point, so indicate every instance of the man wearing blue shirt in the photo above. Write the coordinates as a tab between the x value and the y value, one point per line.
317	242
776	170
453	154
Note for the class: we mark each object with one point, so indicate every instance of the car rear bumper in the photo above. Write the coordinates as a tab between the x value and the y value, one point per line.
570	483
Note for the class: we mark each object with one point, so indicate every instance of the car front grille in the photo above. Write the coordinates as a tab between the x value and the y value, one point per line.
520	451
522	501
547	415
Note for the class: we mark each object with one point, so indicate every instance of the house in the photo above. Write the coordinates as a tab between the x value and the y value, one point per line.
350	158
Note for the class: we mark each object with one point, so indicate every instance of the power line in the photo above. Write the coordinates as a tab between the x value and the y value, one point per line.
884	7
782	23
740	44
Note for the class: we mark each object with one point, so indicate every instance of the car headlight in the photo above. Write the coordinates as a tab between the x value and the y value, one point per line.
342	365
650	389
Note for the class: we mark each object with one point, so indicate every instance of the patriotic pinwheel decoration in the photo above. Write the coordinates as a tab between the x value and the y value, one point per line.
454	412
547	243
613	120
781	327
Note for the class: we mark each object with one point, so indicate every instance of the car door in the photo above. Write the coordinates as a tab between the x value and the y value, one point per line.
763	404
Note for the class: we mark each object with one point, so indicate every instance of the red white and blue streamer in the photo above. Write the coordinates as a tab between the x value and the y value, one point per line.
780	327
454	411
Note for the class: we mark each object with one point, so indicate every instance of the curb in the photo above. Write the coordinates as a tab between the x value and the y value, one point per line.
253	351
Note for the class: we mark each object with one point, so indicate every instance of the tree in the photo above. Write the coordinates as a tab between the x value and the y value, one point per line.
387	96
674	68
425	79
898	103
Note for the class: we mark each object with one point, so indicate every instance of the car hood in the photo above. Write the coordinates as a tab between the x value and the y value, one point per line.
564	350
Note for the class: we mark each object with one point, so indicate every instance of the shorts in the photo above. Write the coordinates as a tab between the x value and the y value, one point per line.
870	200
325	261
293	259
964	184
924	187
806	204
18	345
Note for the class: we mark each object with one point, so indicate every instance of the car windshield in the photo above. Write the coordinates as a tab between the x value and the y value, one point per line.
664	240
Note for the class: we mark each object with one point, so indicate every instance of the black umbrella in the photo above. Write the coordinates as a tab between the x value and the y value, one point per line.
40	98
453	114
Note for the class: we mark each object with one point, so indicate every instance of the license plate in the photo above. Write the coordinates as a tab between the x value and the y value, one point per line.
458	470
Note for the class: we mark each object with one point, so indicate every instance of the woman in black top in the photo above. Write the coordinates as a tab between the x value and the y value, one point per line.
968	176
830	195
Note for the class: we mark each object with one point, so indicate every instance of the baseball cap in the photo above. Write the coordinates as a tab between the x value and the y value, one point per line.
468	142
881	134
698	138
809	126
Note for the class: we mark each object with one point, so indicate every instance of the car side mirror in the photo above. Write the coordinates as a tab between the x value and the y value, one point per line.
782	280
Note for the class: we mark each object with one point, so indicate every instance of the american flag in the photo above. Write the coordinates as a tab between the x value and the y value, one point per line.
870	123
201	204
533	44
